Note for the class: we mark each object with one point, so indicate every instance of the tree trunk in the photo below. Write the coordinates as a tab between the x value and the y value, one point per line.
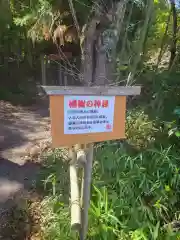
140	44
174	34
88	53
163	42
99	43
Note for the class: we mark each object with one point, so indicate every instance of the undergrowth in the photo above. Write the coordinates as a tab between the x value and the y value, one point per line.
133	197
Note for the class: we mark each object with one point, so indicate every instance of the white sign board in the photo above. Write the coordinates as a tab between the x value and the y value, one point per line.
88	114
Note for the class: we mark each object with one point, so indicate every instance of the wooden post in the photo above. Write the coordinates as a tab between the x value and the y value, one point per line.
65	75
43	70
60	74
75	198
86	184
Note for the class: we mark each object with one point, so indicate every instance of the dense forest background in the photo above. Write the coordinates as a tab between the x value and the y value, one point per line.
135	192
36	30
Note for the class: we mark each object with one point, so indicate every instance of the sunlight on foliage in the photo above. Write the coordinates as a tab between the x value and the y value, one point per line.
140	130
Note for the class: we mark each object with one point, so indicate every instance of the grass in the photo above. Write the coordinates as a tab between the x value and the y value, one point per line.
133	197
135	188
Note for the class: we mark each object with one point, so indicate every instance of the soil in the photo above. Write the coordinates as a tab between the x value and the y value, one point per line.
24	131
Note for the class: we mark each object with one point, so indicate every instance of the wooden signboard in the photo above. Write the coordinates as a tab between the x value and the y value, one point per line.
87	114
81	115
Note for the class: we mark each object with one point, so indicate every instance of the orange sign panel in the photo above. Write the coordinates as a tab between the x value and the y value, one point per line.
86	119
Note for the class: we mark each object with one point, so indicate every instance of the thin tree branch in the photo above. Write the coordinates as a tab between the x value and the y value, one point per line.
73	12
174	35
163	41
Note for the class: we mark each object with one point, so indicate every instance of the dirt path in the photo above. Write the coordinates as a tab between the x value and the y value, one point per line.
21	128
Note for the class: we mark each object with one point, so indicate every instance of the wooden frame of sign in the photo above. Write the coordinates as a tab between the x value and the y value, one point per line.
87	114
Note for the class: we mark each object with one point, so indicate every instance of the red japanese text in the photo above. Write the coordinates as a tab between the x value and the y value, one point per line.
88	103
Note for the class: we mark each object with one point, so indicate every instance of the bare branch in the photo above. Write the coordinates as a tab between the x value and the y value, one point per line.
73	12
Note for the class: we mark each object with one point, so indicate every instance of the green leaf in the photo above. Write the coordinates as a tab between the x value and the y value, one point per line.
156	231
177	134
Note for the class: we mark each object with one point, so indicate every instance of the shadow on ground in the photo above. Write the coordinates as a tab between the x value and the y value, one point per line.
19	128
22	125
17	190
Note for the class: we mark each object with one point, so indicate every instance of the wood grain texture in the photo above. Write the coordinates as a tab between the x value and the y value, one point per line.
93	91
60	139
86	191
75	199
